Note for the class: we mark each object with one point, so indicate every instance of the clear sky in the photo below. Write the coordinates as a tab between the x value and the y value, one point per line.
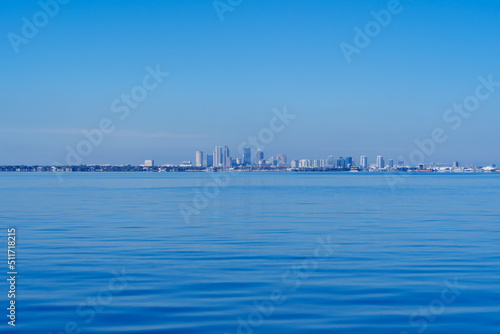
226	76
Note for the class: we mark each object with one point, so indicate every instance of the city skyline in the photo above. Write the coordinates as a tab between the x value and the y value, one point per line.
221	86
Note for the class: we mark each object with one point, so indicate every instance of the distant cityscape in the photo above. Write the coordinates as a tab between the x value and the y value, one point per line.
221	160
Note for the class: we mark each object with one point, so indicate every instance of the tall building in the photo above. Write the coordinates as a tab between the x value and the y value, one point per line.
380	162
330	162
390	163
210	160
149	163
228	162
225	157
259	155
456	164
349	162
304	163
363	162
247	156
218	157
340	163
282	159
199	158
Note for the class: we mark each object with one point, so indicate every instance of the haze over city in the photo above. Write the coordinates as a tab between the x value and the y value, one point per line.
225	77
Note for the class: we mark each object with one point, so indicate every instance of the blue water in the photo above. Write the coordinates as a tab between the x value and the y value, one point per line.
259	253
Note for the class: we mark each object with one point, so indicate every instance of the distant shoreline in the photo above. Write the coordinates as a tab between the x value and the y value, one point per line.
191	169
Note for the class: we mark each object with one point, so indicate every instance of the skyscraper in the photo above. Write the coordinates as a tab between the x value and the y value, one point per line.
330	162
225	157
390	163
380	162
282	159
349	162
210	160
247	156
340	163
363	162
259	155
218	162
199	158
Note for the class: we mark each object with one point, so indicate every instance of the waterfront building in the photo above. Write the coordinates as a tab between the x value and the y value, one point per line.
380	162
218	156
247	156
330	162
363	162
295	163
210	160
149	163
225	156
282	159
349	162
259	155
390	163
304	163
340	163
199	158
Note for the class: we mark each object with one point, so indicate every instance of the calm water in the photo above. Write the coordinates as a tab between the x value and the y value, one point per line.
256	253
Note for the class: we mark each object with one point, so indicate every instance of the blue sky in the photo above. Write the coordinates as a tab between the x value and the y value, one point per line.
225	78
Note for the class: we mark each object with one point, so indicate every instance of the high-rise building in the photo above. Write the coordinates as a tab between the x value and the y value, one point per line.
295	163
363	162
228	162
210	160
282	159
305	163
247	156
225	157
456	164
149	163
259	155
390	163
218	162
199	158
349	162
380	162
330	162
340	163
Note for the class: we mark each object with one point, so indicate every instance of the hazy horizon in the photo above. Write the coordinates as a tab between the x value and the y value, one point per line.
225	77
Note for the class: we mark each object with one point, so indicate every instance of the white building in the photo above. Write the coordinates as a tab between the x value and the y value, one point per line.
380	162
199	158
218	162
363	162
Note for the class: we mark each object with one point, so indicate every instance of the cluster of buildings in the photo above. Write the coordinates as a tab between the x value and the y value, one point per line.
221	160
